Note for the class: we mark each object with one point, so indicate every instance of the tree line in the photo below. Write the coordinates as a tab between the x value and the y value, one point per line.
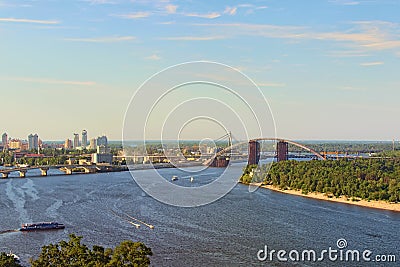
369	179
76	254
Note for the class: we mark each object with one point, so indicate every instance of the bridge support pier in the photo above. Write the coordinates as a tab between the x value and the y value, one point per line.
282	151
66	170
89	170
4	175
22	173
254	152
43	171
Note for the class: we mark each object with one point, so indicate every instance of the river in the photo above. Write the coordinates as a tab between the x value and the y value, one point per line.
227	232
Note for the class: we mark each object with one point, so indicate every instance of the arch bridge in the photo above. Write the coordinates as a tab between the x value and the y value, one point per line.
254	150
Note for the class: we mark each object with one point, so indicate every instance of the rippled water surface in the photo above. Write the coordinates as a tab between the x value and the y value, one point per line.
228	232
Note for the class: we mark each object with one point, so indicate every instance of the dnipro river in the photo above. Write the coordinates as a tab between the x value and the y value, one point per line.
228	232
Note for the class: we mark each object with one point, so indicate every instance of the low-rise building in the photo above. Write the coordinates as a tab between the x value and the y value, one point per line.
102	158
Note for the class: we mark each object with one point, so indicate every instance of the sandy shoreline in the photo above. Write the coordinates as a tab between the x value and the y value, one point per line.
364	203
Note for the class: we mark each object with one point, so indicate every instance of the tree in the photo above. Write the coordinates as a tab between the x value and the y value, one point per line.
75	254
129	253
8	261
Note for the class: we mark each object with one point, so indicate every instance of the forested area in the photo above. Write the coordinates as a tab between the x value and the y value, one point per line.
369	179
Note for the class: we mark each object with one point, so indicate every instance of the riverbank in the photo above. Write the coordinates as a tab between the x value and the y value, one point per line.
342	199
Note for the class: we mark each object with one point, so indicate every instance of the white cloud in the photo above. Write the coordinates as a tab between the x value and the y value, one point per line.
167	22
364	36
171	9
35	21
100	2
230	10
211	15
154	57
135	15
367	64
348	53
345	2
194	38
112	39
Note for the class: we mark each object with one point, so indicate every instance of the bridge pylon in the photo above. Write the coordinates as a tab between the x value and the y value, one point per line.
282	151
254	152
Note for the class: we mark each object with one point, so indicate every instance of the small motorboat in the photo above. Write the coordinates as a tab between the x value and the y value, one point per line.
16	258
174	178
191	179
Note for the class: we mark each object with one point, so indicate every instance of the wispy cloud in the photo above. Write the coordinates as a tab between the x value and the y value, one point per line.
364	36
112	39
194	38
154	57
211	15
135	15
35	21
171	9
345	2
101	2
167	23
348	53
383	45
230	10
367	64
48	81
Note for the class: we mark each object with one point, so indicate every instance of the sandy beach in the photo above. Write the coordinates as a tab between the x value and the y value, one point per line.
342	199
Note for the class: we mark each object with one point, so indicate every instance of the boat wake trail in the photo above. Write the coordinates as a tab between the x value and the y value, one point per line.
125	219
8	231
148	225
18	198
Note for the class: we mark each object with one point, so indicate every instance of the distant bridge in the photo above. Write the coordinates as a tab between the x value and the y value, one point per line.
254	150
67	169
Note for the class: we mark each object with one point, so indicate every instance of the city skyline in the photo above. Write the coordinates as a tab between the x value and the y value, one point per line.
6	137
328	68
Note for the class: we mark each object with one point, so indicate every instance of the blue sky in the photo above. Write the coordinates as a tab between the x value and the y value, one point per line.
329	68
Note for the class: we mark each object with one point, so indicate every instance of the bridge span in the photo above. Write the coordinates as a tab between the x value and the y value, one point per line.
67	169
254	150
282	151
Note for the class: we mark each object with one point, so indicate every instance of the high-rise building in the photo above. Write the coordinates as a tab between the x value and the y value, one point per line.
68	144
84	138
93	143
102	140
4	140
33	141
76	140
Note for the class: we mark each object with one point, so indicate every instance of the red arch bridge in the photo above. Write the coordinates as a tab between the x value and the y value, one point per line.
254	151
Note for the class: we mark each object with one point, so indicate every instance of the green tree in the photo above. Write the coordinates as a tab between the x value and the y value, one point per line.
75	254
129	253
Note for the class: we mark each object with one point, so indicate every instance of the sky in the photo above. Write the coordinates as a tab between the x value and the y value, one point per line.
328	68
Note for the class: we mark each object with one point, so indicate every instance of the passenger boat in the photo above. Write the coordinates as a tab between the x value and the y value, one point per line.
41	226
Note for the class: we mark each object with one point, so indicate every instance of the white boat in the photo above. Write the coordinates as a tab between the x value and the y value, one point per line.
191	179
174	178
17	259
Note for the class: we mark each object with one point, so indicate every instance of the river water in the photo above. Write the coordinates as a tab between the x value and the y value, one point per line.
227	232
